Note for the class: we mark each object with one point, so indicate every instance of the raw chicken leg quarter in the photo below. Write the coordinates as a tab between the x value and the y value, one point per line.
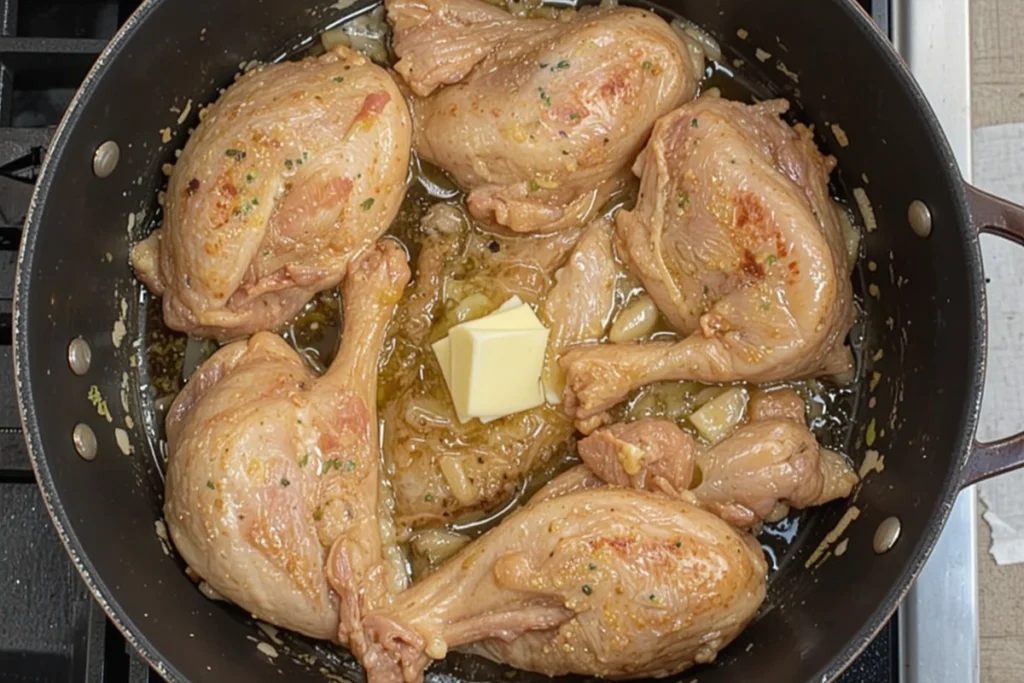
736	239
272	477
537	119
291	173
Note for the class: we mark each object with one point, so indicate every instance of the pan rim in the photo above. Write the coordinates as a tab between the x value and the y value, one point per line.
21	352
135	636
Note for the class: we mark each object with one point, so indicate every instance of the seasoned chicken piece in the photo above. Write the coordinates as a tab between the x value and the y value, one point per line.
540	117
768	462
763	463
439	467
736	240
579	305
272	479
607	582
293	171
784	404
650	454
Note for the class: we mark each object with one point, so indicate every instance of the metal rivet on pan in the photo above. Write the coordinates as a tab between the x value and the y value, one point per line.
886	535
104	161
79	356
85	441
920	217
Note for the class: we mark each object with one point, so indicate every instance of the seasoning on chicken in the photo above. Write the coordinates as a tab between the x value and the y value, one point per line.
736	240
774	459
439	467
607	582
537	119
297	168
649	454
273	474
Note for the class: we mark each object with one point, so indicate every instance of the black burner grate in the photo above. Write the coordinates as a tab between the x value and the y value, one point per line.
51	629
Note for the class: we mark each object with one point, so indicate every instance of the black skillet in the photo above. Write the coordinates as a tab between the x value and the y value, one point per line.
173	54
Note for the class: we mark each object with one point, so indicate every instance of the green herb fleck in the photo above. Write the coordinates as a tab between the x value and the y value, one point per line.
543	65
694	123
591	566
284	481
869	436
99	403
249	177
338	79
765	307
679	544
587	590
255	202
647	66
350	465
575	116
305	157
209	485
682	200
304	461
429	498
770	261
561	66
544	97
367	204
235	154
652	597
534	187
289	164
332	464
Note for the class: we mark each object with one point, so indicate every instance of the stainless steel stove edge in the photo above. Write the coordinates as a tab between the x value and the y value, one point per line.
938	621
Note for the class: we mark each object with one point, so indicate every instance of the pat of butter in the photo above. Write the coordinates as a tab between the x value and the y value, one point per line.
496	372
443	353
492	365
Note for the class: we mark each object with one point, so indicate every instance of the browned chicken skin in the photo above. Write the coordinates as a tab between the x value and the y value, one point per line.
606	582
273	474
772	460
735	238
440	468
537	118
292	172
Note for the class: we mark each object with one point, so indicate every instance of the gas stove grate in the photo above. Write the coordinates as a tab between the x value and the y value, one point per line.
52	630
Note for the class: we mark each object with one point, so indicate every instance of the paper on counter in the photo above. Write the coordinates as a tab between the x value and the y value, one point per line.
999	169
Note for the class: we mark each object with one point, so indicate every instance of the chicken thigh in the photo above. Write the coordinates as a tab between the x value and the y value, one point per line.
773	459
273	474
537	119
293	171
735	238
607	582
439	467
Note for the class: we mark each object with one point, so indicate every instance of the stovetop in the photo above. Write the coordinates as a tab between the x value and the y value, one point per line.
51	629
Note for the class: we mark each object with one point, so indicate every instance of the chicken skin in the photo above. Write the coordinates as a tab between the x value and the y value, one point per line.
736	240
537	119
273	474
774	459
603	582
439	467
297	168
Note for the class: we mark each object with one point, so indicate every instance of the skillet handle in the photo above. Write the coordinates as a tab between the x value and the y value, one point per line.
995	216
